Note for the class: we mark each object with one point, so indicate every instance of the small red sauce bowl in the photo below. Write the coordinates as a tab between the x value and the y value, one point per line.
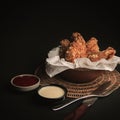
25	82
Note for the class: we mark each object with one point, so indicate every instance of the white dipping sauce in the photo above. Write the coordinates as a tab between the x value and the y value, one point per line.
51	92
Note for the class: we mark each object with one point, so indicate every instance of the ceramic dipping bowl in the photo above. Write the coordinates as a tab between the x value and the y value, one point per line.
25	82
52	93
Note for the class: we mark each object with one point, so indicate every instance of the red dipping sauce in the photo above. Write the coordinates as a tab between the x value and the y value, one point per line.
25	80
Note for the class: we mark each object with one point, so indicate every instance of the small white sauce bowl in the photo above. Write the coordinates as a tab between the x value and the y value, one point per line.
52	93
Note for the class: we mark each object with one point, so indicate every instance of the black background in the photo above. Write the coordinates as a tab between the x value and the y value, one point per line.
30	29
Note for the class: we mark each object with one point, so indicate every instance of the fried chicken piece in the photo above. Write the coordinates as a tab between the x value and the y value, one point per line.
107	54
77	48
63	48
92	45
65	43
77	36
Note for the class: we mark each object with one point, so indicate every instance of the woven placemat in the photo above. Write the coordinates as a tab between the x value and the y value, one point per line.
76	90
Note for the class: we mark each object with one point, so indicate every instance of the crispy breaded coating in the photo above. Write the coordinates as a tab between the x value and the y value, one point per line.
64	44
79	48
106	54
92	45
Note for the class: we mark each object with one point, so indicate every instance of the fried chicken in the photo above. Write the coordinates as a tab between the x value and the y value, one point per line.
92	45
79	48
107	54
63	48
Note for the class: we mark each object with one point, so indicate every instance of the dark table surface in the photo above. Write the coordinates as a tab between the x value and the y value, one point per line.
30	30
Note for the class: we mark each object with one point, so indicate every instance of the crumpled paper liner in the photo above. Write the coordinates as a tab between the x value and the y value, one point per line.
56	65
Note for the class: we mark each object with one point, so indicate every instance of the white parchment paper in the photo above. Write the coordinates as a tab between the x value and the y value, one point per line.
55	64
